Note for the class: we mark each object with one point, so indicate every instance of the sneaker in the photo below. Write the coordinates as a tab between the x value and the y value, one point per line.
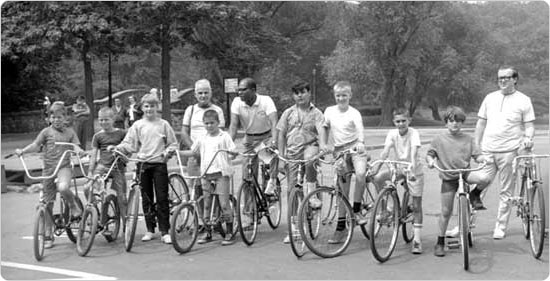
338	237
315	203
287	239
207	237
453	233
361	219
147	237
498	234
416	247
48	243
228	240
166	239
475	200
439	250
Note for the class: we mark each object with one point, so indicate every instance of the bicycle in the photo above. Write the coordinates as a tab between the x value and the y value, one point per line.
184	225
466	214
130	223
318	225
60	222
102	212
530	202
253	203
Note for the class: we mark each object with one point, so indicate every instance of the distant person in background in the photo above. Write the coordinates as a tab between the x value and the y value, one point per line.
81	114
133	112
119	114
47	104
155	92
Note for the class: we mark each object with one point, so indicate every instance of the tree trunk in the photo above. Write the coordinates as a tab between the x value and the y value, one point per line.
88	88
386	118
165	75
435	110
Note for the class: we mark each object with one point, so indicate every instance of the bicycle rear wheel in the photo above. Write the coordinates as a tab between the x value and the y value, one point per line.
110	218
247	216
464	228
327	230
178	191
537	220
131	217
275	206
367	204
71	227
295	199
39	233
523	209
384	228
86	231
407	217
184	227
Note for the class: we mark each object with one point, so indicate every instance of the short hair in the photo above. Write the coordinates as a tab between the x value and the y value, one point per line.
515	73
454	113
250	83
81	98
58	107
203	84
300	86
107	110
401	111
151	99
342	85
211	114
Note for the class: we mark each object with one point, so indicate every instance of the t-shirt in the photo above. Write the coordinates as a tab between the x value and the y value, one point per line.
402	146
195	122
254	119
149	138
207	148
505	115
102	139
52	153
345	126
300	130
453	151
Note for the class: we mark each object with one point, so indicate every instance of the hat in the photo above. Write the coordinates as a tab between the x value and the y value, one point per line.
202	84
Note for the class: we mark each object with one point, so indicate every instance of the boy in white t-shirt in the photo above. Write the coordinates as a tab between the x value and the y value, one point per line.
405	142
220	169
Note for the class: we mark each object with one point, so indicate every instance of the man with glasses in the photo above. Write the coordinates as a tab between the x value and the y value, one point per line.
257	116
505	125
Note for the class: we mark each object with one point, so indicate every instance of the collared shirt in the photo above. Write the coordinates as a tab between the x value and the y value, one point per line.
345	127
254	119
193	118
52	152
300	130
505	115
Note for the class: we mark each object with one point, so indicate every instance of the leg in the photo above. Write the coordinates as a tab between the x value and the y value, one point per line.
64	177
448	191
193	164
119	185
416	188
48	196
311	174
207	202
380	178
482	179
508	184
360	166
147	196
160	177
222	188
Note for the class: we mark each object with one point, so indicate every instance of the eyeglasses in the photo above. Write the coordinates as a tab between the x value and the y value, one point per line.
242	89
505	78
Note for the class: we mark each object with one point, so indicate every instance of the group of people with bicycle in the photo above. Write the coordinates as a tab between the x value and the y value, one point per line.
302	132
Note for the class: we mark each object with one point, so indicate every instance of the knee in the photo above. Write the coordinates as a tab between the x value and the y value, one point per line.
63	187
446	212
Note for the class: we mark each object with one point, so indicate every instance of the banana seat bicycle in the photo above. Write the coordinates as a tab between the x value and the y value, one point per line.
530	202
327	230
184	223
45	217
466	213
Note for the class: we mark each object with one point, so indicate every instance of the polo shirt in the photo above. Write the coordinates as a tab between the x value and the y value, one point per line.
254	119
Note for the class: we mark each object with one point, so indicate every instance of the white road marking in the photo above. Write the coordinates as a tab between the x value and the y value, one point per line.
79	275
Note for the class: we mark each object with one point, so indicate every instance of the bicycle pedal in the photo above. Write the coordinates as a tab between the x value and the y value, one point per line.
453	244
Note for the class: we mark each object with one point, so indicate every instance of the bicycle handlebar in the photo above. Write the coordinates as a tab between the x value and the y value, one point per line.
126	158
297	161
460	170
57	167
527	156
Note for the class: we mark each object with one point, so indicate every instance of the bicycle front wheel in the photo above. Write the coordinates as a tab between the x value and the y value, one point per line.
71	227
110	218
39	233
464	228
184	228
86	231
407	217
131	217
384	228
247	216
523	209
328	229
274	206
297	244
178	191
537	220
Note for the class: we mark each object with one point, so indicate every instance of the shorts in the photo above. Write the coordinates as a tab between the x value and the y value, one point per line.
49	190
222	183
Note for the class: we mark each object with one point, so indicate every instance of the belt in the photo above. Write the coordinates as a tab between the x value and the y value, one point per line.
260	134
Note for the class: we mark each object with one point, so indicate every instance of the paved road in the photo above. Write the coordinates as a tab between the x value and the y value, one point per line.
269	258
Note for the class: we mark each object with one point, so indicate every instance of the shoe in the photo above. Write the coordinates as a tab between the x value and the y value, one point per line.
416	247
315	203
228	240
147	237
287	239
439	250
475	200
453	233
166	239
48	243
338	237
361	219
207	237
498	234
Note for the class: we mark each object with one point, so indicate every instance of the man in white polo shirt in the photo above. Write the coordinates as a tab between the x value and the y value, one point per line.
257	115
505	124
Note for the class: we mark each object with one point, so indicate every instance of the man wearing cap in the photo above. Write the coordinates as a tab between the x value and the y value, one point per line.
257	116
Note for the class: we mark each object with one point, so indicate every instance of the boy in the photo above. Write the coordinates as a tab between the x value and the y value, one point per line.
405	142
151	136
81	113
299	127
56	132
109	135
453	149
346	126
207	146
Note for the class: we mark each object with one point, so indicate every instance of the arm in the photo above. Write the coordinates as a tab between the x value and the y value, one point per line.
274	131
29	148
529	134
480	128
93	161
185	138
387	146
233	126
431	157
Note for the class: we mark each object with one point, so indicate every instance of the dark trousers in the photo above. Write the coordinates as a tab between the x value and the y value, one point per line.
154	182
80	127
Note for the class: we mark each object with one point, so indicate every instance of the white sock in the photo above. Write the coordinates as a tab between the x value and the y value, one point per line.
417	229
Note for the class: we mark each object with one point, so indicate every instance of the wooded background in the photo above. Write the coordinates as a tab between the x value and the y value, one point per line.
413	54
